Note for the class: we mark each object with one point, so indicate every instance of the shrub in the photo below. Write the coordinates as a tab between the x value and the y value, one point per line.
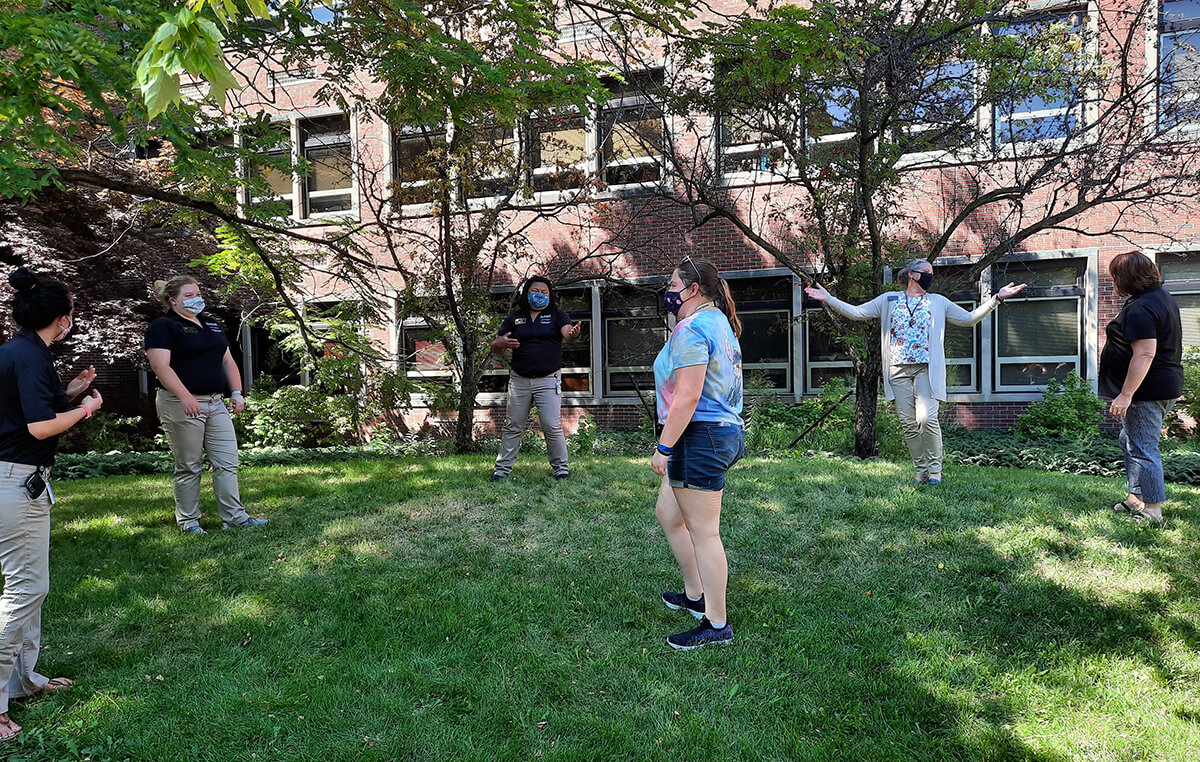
1068	408
1189	403
291	416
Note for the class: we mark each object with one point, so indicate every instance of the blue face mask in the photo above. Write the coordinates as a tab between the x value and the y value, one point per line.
195	305
538	300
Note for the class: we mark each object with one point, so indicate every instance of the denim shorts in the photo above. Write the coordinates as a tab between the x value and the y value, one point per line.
704	453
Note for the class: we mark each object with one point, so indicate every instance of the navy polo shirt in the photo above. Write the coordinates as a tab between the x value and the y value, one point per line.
30	391
197	351
540	353
1150	315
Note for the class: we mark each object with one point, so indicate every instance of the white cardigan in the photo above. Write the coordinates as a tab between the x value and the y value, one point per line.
941	311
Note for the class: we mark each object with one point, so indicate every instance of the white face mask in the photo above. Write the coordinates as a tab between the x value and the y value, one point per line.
194	305
65	331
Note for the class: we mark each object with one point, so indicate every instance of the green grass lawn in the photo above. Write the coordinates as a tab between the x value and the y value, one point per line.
410	610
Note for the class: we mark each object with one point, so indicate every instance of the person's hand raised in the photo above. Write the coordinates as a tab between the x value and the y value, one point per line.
817	291
1010	290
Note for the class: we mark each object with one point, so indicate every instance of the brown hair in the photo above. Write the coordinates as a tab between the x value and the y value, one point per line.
712	285
166	290
1134	273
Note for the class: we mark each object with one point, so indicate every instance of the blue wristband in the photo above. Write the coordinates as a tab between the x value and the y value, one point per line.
664	449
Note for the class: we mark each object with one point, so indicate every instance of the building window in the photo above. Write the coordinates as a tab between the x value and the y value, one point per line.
1178	62
631	131
1181	276
1053	114
943	114
1039	334
634	332
272	186
325	145
962	342
495	152
418	158
558	152
745	139
765	308
830	130
827	352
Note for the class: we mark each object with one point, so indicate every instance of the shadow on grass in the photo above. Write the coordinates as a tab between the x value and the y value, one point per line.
410	609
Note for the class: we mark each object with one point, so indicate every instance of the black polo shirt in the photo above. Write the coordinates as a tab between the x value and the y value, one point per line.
1152	315
540	353
30	391
197	351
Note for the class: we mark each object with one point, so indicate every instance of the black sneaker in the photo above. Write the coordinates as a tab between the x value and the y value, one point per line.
563	476
496	478
676	601
700	636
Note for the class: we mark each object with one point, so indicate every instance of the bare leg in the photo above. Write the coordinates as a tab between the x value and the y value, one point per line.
671	519
702	513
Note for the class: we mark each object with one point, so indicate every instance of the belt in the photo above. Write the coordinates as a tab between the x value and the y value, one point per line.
20	469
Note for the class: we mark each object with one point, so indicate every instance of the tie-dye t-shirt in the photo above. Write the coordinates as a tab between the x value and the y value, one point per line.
703	338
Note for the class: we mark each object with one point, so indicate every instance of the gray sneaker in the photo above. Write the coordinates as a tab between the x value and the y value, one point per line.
249	523
196	529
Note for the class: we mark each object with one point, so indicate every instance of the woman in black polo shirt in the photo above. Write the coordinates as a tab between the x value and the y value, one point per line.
34	411
1140	370
534	332
190	355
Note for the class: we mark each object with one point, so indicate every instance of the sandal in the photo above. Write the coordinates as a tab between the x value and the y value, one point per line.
1125	507
1143	517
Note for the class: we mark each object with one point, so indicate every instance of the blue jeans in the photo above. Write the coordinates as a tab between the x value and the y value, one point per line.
704	453
1141	430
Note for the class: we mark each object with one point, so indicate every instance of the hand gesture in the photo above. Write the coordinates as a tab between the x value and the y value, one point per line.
507	342
1010	290
817	291
573	330
191	406
93	401
81	382
237	403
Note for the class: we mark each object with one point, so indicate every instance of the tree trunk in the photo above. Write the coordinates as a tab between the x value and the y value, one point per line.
464	428
866	389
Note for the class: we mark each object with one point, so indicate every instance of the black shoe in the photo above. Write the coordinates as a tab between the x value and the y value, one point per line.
496	478
677	601
700	636
563	476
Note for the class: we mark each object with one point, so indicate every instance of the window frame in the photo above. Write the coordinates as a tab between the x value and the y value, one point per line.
1044	294
629	103
608	314
1155	33
349	192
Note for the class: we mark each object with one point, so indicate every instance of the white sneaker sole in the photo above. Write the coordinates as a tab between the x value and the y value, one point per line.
697	614
702	645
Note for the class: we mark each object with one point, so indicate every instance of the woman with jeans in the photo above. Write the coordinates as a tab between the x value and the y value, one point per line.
1141	370
34	411
190	355
534	333
698	384
912	342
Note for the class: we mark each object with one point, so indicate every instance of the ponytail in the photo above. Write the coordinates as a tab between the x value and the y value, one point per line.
724	300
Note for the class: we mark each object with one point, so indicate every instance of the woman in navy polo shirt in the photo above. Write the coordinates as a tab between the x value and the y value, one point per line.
534	332
34	411
190	355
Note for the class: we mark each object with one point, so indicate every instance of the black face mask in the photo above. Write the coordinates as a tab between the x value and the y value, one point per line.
924	280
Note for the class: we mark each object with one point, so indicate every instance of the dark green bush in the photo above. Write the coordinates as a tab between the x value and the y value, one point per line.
1189	403
1068	408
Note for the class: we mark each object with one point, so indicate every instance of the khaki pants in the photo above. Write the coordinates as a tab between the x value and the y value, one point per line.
25	565
210	432
523	393
918	412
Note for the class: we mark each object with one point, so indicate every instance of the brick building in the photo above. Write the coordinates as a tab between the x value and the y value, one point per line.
995	369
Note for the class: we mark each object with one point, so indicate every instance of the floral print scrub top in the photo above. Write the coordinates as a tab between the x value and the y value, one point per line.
910	331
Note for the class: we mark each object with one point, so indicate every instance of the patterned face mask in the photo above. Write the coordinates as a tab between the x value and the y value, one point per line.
538	300
195	305
673	300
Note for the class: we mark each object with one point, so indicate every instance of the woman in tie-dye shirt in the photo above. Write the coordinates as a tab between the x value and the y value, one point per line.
698	380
